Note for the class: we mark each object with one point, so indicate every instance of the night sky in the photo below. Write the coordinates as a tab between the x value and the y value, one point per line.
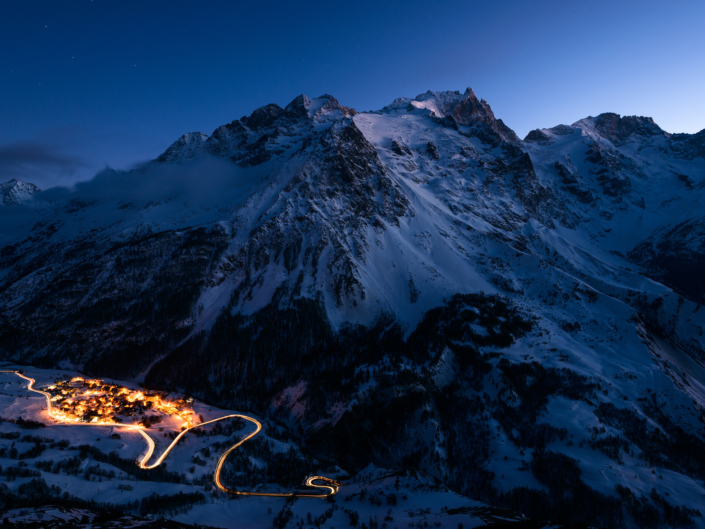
88	83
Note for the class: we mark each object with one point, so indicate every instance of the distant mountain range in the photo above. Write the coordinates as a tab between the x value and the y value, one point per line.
413	286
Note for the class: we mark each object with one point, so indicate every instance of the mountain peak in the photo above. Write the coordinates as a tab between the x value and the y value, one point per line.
465	109
441	104
257	138
317	107
15	191
263	117
185	148
299	106
619	130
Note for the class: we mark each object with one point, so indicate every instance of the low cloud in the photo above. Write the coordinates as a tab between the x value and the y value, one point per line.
39	163
211	182
201	188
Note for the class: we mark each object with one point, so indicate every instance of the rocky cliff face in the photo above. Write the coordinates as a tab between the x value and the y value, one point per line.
519	318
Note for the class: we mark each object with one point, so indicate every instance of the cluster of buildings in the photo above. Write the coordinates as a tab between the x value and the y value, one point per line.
96	401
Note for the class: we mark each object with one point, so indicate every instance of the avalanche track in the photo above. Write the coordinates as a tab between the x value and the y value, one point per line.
332	486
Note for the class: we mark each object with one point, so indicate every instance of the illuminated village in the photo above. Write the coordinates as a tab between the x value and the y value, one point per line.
98	402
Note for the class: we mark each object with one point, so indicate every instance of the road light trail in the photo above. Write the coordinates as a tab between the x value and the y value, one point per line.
331	485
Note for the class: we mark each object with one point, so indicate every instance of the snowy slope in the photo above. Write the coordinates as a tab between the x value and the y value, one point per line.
374	493
317	251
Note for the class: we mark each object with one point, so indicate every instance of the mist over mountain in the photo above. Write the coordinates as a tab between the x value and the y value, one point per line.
412	287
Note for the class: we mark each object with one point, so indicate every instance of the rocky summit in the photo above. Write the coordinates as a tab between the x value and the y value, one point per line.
412	287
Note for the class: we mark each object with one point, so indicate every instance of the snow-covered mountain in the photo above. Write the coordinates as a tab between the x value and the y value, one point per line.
14	192
521	318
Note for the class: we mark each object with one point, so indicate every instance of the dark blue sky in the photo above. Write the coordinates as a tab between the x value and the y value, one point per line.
84	83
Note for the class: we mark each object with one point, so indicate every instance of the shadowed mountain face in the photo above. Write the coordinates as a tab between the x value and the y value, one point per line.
413	286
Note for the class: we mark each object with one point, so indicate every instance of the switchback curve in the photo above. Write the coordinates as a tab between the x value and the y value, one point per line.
331	485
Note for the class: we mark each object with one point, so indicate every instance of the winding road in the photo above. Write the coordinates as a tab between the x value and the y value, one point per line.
312	481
